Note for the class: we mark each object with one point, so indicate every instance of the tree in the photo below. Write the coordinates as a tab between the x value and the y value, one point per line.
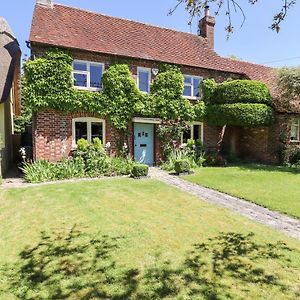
197	8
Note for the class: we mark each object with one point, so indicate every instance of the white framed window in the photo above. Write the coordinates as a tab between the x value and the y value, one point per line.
195	132
192	86
88	128
144	79
88	75
295	130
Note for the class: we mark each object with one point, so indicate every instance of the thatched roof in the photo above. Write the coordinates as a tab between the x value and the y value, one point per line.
9	56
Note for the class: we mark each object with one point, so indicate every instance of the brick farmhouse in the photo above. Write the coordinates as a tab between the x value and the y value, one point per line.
96	41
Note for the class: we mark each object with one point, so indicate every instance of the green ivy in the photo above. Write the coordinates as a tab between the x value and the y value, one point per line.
240	114
241	91
48	84
237	102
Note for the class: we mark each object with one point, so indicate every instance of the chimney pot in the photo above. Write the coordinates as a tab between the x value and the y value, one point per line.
48	3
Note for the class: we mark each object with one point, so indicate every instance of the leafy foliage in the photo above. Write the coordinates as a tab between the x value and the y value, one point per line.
240	114
139	170
241	91
182	166
289	82
48	84
237	102
88	160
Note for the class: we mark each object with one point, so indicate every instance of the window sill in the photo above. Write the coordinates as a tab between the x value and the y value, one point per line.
295	141
192	98
87	89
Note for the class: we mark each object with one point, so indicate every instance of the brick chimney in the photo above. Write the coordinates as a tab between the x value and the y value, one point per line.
48	3
206	28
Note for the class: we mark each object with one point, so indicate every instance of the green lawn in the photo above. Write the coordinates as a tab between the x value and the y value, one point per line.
136	239
277	188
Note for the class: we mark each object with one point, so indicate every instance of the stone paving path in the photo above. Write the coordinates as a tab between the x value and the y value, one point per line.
278	221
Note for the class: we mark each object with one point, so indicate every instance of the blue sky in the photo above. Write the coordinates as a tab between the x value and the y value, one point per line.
253	42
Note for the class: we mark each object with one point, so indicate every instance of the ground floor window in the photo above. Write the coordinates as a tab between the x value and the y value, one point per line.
195	132
88	128
295	130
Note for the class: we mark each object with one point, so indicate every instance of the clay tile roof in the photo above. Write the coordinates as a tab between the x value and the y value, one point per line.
70	27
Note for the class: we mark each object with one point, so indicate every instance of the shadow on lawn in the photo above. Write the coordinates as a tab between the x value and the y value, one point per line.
272	168
78	266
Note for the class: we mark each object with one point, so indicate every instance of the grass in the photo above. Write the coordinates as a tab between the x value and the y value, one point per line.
136	239
277	188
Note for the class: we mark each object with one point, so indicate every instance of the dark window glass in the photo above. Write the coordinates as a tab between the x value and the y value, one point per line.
186	136
80	80
80	130
96	76
197	132
77	66
187	79
196	86
187	91
144	81
97	130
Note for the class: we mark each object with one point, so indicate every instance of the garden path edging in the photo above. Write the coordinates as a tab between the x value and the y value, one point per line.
275	220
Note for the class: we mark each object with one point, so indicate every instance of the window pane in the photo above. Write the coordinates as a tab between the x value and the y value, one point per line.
295	131
197	132
78	66
144	81
187	91
97	130
196	85
96	76
80	130
186	136
187	79
80	80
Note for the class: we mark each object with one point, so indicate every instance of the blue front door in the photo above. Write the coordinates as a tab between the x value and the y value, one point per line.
143	143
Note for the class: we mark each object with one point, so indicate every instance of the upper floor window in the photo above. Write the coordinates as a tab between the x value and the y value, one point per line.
144	79
87	75
192	86
88	129
295	130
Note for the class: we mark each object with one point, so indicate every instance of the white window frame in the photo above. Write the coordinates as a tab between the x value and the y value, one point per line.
87	73
192	86
148	70
192	131
294	121
89	122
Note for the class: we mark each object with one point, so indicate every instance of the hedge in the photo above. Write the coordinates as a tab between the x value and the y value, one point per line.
240	91
239	114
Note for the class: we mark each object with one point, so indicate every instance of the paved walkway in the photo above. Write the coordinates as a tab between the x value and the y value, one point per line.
278	221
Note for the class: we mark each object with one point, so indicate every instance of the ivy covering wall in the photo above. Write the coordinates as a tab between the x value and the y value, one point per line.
245	103
48	85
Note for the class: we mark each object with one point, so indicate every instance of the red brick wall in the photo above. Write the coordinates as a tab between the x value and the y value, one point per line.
53	130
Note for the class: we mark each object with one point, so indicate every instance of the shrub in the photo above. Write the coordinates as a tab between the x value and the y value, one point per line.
239	114
182	166
94	156
42	170
122	166
241	91
208	88
139	170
